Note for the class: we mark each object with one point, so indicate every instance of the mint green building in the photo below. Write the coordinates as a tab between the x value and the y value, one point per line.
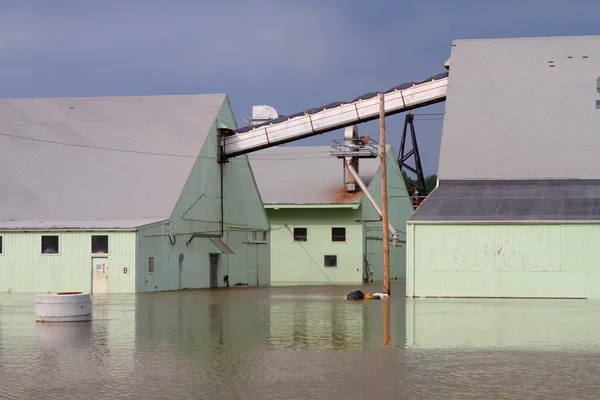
517	209
320	232
125	194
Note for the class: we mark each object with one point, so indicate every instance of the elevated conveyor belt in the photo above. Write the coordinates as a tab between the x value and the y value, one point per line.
341	114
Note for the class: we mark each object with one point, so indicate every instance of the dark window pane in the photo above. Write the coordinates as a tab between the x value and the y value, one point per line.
338	234
300	234
99	244
50	244
330	261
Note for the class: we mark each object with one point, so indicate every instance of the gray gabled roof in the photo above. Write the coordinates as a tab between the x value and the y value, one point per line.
305	175
99	159
47	225
521	138
524	108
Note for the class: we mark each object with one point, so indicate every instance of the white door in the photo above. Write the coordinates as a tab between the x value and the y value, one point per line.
214	270
99	275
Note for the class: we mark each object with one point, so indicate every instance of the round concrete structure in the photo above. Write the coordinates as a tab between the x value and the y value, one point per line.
63	307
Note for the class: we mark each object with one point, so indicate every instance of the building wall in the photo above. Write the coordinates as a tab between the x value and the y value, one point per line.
399	210
295	262
510	260
24	269
193	272
302	262
198	210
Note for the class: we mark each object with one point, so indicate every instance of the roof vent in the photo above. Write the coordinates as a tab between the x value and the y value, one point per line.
261	114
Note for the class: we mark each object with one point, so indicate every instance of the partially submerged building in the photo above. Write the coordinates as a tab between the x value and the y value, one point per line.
517	209
323	231
125	194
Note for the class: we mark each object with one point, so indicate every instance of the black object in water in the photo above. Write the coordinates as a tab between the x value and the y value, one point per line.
355	295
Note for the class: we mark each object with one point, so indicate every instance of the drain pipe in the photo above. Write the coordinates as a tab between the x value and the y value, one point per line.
362	185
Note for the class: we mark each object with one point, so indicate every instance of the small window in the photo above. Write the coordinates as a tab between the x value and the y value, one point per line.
150	265
1	245
99	244
331	261
50	244
338	234
259	236
300	234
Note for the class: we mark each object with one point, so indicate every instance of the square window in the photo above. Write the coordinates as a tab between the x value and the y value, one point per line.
1	245
50	244
338	234
150	265
259	236
330	261
99	244
300	234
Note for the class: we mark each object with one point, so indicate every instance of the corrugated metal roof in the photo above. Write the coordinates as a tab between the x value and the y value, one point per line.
99	159
503	200
522	108
306	175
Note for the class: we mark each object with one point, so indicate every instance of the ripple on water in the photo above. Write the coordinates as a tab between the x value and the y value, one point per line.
298	343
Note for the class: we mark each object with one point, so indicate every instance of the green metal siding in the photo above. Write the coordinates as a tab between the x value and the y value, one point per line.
24	269
399	210
198	210
509	260
194	270
303	262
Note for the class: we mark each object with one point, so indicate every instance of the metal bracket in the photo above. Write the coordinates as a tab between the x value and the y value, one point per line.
404	155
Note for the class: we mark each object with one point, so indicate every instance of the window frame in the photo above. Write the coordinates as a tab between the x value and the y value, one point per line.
92	244
252	238
42	245
325	261
150	258
333	235
295	236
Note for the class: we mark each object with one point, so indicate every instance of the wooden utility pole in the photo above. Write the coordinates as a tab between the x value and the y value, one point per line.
384	198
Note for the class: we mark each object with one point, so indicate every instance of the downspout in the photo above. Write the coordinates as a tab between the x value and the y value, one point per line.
362	185
223	221
222	212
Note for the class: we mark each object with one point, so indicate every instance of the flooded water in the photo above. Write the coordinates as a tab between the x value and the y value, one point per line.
302	343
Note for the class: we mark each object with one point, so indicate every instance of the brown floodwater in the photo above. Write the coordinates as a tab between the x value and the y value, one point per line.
302	343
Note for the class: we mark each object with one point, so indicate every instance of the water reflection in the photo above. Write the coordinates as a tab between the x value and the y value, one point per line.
298	343
257	318
503	324
386	323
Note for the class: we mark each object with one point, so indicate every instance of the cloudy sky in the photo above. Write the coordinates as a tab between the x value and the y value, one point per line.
292	55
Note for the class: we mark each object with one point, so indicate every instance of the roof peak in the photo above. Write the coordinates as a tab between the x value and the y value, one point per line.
125	97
